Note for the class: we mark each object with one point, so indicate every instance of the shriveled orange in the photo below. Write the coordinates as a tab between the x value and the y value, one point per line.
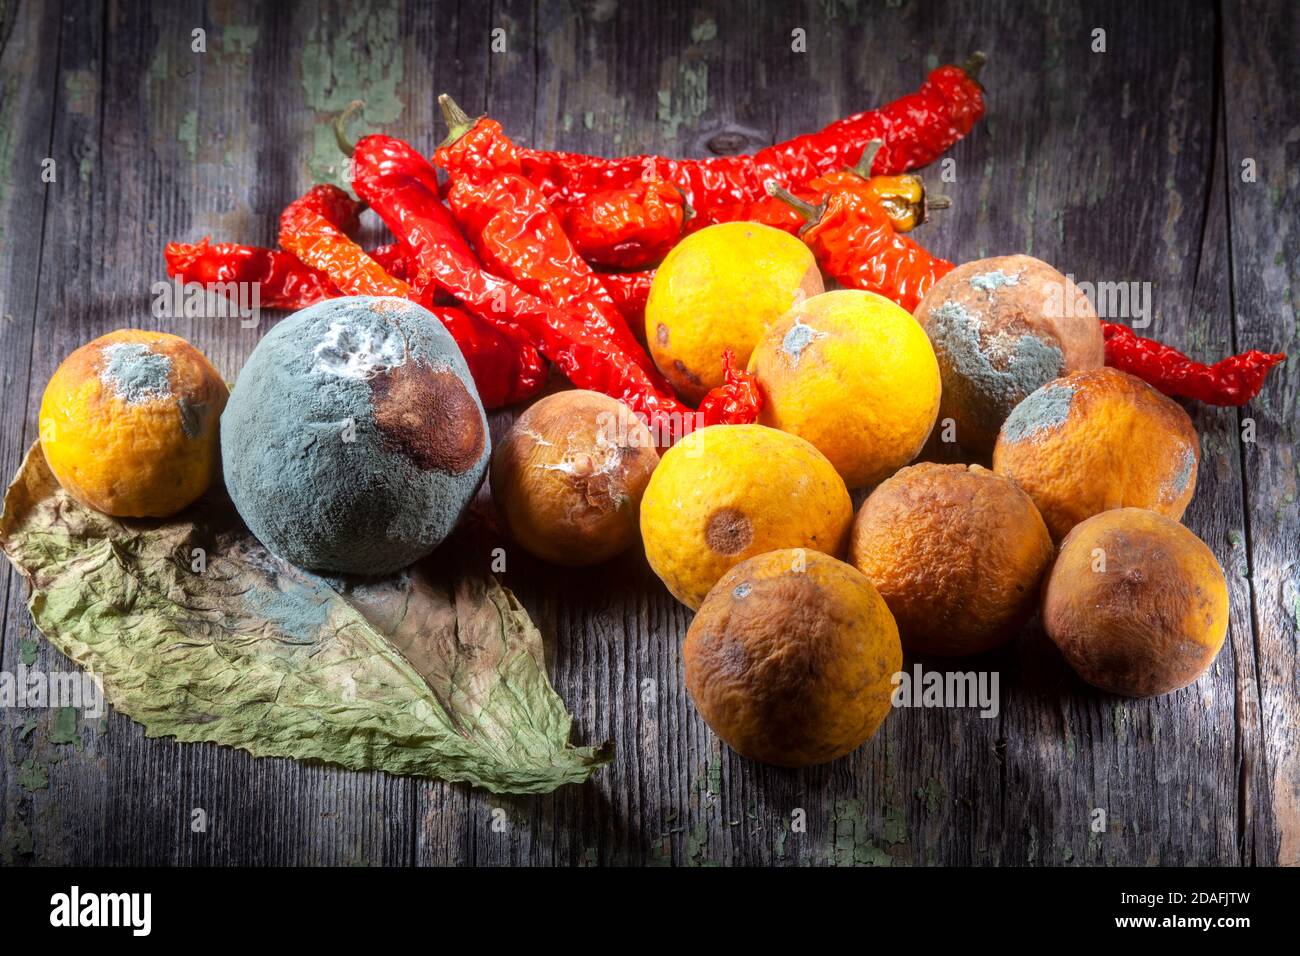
1137	604
129	423
956	552
728	492
568	477
1096	440
791	658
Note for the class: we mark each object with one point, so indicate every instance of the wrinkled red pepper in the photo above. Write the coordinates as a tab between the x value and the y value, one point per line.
737	401
400	185
306	231
517	235
392	256
856	244
588	356
630	227
283	281
915	129
631	291
1234	380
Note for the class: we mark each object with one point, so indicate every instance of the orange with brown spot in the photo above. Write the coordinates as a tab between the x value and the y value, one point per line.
728	492
791	658
1137	604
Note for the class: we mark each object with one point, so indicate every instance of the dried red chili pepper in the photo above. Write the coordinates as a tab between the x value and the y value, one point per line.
735	402
916	129
400	185
902	197
517	235
308	230
630	291
493	358
393	257
630	227
589	360
1231	381
855	243
283	281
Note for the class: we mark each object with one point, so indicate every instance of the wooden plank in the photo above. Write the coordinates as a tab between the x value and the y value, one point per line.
1066	153
1102	163
196	142
1261	51
29	57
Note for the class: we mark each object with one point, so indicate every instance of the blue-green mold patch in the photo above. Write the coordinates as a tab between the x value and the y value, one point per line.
992	281
1043	410
989	374
797	339
135	372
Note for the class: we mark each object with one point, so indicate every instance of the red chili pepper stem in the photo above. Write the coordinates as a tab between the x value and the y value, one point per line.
863	168
346	145
458	121
974	63
806	209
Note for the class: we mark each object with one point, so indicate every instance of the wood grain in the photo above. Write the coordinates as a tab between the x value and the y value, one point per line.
1121	165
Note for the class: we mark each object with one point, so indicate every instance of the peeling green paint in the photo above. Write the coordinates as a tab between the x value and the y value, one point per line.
704	31
27	651
895	830
28	728
361	58
17	842
930	794
239	39
187	134
31	776
660	853
81	90
851	843
690	102
64	730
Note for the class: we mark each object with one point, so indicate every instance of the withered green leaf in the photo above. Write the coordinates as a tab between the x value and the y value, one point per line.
431	673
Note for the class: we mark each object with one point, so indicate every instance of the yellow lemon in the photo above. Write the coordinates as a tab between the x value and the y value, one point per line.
728	492
719	289
853	374
129	423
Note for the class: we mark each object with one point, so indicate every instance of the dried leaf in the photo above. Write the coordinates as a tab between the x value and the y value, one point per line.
428	673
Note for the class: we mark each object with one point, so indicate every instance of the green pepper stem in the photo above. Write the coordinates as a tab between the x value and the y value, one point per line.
863	168
341	127
806	209
458	121
937	202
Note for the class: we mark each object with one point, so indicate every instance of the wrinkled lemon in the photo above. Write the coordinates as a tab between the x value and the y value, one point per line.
728	492
854	374
719	289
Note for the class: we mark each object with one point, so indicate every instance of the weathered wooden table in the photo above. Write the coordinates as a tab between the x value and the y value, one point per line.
1172	158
